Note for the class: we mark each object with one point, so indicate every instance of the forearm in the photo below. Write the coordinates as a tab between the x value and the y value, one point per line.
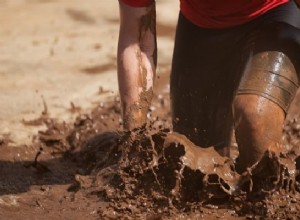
136	63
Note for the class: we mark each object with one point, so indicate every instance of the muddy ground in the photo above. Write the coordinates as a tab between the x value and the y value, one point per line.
63	154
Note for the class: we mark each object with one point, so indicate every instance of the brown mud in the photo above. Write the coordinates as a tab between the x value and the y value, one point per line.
91	169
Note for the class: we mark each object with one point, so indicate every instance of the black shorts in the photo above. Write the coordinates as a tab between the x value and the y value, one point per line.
208	64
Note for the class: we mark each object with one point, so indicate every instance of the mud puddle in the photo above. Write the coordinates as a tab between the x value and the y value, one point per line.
91	169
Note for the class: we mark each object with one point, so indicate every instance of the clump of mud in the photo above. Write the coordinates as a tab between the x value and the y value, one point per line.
165	175
154	173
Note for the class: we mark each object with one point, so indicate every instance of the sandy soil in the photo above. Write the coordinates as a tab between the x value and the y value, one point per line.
62	55
62	52
59	158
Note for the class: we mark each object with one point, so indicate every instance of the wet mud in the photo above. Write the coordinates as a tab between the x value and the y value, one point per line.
154	173
92	169
165	176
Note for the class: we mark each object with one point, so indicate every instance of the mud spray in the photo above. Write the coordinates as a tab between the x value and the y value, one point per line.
153	173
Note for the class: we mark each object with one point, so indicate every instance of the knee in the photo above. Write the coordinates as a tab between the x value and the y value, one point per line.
255	114
247	113
258	126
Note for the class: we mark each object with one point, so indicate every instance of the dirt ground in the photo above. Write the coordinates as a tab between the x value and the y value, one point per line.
61	52
60	152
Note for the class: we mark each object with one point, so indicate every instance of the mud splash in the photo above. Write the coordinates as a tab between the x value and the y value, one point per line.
154	173
166	175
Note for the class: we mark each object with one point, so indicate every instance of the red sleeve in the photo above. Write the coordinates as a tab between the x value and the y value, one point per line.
137	3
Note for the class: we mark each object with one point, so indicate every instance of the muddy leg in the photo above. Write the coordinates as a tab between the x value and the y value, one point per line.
258	126
266	90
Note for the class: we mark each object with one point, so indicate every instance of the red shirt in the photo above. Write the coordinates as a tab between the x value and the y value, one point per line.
219	13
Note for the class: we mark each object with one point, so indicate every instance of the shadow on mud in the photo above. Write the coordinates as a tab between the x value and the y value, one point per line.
19	176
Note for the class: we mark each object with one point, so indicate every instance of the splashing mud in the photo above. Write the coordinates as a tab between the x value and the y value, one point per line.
154	173
167	174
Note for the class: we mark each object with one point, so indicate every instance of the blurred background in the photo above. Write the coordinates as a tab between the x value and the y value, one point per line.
62	54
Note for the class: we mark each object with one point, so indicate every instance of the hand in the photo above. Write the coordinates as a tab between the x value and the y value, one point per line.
297	2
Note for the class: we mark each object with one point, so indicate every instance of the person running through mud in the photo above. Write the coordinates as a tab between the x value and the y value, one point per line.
235	64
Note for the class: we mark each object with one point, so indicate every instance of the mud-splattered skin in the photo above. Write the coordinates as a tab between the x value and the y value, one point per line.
148	23
265	93
271	75
147	26
136	107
